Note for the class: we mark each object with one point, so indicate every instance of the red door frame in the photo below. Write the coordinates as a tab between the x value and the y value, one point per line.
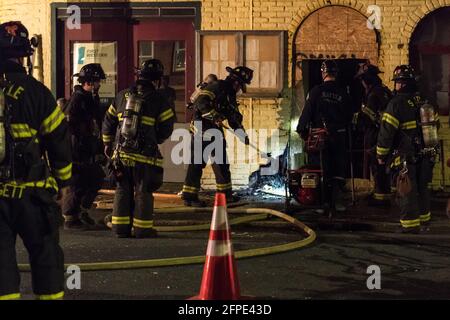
169	30
128	35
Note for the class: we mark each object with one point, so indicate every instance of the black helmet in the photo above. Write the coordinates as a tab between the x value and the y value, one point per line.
242	74
404	73
14	42
91	72
152	69
330	67
367	70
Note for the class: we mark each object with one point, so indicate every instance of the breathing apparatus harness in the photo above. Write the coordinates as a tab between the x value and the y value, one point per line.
128	135
6	140
16	162
426	145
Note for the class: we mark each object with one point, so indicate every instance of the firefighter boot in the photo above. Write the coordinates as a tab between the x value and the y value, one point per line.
414	230
146	234
85	218
143	216
196	203
376	200
75	224
193	201
338	198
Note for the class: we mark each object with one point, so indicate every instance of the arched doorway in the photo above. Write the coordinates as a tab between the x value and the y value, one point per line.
335	32
429	50
332	32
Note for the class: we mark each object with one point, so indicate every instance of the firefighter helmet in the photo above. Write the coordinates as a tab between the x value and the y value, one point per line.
14	42
330	67
152	69
242	74
404	73
91	72
367	70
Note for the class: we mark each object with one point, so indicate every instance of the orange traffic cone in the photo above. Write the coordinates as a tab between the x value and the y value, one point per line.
220	279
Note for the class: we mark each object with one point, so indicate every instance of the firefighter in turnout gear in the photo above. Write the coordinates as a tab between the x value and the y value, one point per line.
404	145
85	121
210	78
35	160
215	103
328	106
376	99
135	124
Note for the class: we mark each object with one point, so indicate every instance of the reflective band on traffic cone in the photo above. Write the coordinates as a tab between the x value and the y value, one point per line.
220	280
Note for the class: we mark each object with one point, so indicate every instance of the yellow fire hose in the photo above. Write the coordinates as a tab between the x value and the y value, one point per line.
256	214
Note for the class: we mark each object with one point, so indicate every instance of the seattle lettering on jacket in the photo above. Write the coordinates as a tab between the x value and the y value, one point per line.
332	96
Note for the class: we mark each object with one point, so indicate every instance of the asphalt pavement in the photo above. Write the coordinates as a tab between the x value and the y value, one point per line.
335	266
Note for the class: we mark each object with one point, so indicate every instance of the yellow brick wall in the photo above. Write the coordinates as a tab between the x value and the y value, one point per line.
399	18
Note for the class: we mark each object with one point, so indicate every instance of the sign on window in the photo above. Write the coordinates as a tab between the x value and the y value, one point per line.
104	53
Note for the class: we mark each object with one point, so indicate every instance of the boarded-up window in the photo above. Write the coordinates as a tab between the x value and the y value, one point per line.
260	51
337	31
262	54
219	52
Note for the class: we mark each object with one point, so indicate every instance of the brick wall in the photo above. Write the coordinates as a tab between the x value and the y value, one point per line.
399	18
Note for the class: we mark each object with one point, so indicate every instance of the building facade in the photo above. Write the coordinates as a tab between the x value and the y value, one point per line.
277	38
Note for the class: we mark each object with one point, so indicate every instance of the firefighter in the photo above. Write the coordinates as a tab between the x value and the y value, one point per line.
139	119
168	92
215	103
403	145
328	106
35	160
210	78
376	99
85	121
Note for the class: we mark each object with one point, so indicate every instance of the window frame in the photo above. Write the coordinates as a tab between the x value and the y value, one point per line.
176	50
240	36
144	56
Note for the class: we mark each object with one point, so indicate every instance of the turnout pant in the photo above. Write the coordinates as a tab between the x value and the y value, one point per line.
133	200
34	217
87	180
381	178
415	207
333	164
220	166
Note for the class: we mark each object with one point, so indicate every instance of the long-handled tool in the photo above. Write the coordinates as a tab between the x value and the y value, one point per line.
352	173
267	155
441	155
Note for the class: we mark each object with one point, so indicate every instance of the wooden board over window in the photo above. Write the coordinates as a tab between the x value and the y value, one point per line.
337	31
262	54
219	52
261	51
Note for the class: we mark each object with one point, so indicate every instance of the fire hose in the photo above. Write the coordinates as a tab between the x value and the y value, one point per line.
254	214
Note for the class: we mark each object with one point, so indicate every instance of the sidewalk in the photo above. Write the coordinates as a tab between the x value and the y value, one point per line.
358	218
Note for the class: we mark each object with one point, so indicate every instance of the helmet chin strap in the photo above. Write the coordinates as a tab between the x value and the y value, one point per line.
29	65
34	44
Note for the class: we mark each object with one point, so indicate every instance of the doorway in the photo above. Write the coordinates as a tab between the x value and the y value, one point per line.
121	45
340	33
430	56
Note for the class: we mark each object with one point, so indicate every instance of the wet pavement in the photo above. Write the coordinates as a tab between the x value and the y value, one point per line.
334	267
